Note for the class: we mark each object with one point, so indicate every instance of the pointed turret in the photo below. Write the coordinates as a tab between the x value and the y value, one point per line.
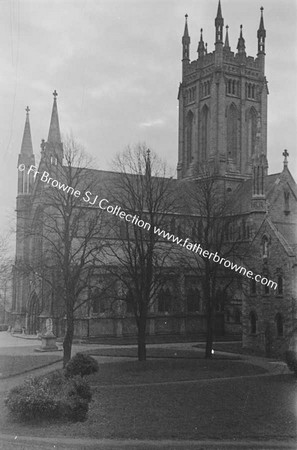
241	43
219	23
227	46
52	150
201	47
186	46
186	41
261	34
26	159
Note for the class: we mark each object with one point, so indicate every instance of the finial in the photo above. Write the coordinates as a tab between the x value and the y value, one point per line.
148	152
285	155
186	16
227	27
27	110
55	94
261	9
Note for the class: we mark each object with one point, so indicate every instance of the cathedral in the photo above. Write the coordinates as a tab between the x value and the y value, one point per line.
222	131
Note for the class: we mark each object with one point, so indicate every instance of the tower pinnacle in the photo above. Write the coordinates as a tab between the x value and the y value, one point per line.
201	47
261	35
241	43
186	41
219	23
227	45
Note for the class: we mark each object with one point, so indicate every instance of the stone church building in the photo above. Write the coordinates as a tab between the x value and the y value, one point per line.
222	128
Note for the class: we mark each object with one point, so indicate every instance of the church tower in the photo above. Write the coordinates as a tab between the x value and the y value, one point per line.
23	209
221	95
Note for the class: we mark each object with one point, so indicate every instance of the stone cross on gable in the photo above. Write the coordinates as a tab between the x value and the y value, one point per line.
55	94
285	155
27	110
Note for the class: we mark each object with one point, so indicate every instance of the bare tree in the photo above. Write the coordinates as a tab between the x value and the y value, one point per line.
213	224
66	235
139	256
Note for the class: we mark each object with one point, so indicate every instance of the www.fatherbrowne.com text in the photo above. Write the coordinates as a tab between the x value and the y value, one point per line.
104	204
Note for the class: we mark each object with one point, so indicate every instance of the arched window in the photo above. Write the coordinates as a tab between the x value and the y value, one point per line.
264	247
232	132
189	137
280	286
253	286
193	300
287	202
204	132
253	322
237	316
251	131
129	301
279	325
164	300
97	305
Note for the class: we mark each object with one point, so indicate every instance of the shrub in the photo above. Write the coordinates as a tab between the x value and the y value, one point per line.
82	365
291	360
50	397
3	327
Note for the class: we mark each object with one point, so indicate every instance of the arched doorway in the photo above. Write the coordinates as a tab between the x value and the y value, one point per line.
33	315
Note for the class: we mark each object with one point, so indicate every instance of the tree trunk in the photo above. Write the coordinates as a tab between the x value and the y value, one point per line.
141	351
67	343
209	331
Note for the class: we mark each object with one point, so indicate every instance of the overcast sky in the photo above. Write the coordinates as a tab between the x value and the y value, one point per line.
116	67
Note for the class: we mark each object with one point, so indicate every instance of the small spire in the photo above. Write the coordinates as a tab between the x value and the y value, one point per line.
27	148
285	155
186	31
219	12
227	46
261	34
219	23
241	43
201	47
54	135
186	41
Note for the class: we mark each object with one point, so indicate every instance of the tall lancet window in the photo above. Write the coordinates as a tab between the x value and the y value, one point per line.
204	132
232	133
251	131
189	137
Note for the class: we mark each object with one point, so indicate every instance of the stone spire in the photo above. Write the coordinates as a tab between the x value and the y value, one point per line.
54	135
27	147
241	43
219	23
261	35
201	47
26	159
227	46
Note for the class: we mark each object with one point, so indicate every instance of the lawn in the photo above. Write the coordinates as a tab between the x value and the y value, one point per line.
16	364
135	400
